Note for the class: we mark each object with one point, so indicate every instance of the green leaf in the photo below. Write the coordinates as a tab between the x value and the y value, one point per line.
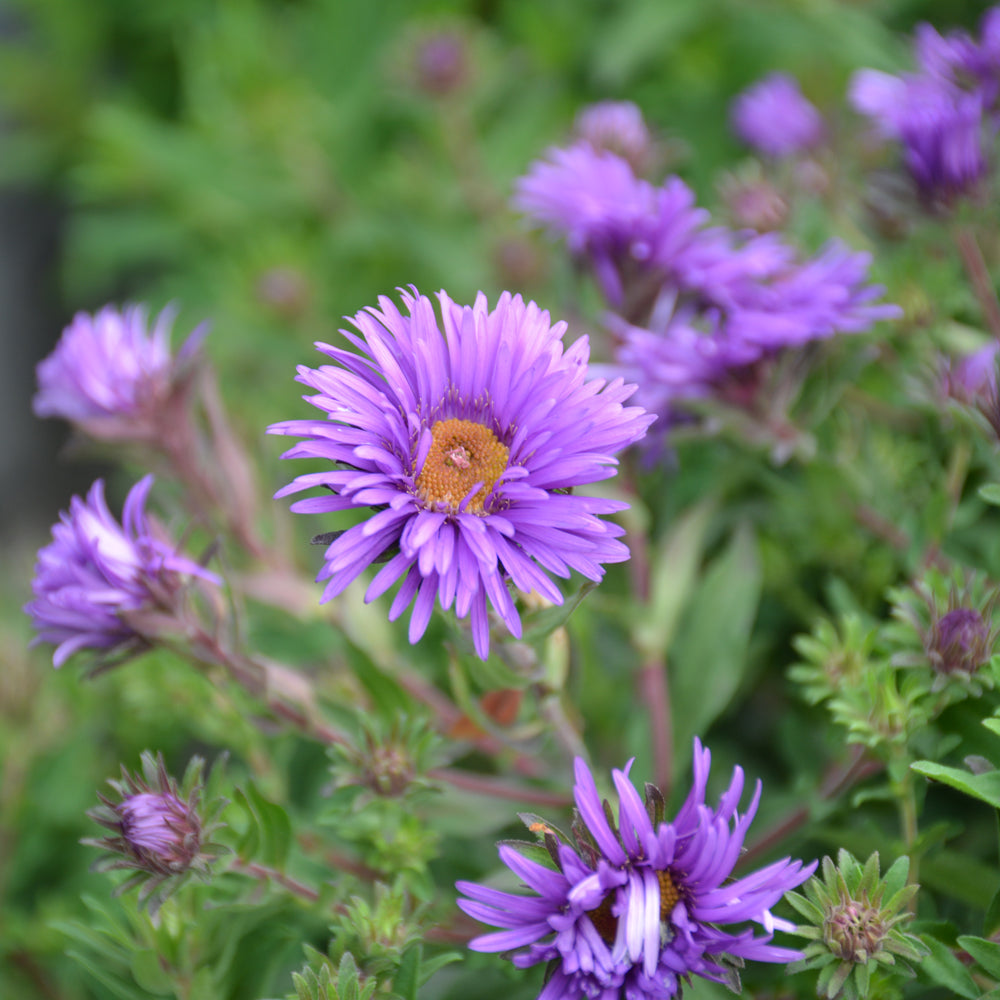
960	876
990	493
943	968
985	787
269	831
991	923
674	568
149	973
709	656
407	979
986	953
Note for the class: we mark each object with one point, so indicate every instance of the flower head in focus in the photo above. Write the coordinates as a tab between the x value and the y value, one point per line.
631	912
97	577
775	119
113	375
462	439
159	829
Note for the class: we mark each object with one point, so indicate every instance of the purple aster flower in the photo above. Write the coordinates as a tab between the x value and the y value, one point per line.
464	437
96	576
629	913
113	375
594	200
940	126
618	127
813	300
734	312
160	829
774	118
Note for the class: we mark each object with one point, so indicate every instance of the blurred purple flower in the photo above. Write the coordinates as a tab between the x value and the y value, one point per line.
619	128
736	312
774	118
629	913
972	377
945	116
113	375
466	444
813	300
939	126
960	59
594	200
442	62
96	573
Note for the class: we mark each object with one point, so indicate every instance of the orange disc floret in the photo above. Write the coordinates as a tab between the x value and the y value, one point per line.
462	453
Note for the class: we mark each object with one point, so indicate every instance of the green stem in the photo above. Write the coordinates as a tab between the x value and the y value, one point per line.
906	795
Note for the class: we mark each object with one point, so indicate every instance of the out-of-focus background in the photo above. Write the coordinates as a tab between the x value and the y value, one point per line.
271	166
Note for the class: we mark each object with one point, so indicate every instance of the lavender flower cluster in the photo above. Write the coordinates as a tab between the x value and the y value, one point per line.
696	310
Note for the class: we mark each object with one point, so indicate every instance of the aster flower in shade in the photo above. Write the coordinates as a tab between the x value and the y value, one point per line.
159	829
618	127
631	912
775	119
113	375
461	440
96	579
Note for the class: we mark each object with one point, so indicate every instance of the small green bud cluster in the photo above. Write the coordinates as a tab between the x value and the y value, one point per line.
855	919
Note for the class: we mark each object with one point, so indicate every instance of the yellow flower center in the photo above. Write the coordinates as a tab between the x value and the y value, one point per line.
462	453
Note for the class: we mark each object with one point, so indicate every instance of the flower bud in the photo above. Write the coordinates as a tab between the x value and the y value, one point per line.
159	829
